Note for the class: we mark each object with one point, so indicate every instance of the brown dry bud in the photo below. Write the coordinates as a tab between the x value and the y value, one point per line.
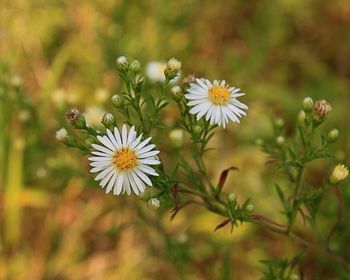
322	108
189	79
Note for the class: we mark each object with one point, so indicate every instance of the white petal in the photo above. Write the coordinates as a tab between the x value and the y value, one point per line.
118	186
148	170
117	136
149	161
102	149
133	184
97	169
105	180
146	149
131	135
144	178
149	154
142	144
105	141
111	182
124	135
107	158
104	173
193	96
136	142
140	185
126	184
100	163
197	101
112	138
100	154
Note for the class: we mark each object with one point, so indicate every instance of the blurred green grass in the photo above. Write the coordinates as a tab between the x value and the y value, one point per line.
52	218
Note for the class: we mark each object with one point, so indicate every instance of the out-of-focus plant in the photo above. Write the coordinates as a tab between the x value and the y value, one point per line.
124	160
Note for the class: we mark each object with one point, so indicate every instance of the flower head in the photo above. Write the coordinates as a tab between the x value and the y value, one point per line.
93	116
155	72
322	108
123	161
122	63
75	118
339	173
216	100
153	203
61	134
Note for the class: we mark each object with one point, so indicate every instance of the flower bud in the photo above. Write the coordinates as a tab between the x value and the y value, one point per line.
259	142
16	81
61	134
153	203
122	63
197	129
322	108
135	66
280	140
117	100
176	136
172	68
294	277
301	117
176	91
189	79
279	123
308	104
339	173
333	135
232	197
250	207
108	120
75	118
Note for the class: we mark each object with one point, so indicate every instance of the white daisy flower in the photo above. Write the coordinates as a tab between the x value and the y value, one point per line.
217	100
123	161
155	72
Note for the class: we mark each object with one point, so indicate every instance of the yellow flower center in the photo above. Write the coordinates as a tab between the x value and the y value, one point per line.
125	159
219	95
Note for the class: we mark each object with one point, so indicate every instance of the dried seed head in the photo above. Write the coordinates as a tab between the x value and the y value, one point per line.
322	108
189	79
75	118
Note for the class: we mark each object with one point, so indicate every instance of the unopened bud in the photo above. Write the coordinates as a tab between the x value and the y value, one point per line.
301	117
122	63
176	136
250	207
279	123
117	100
294	277
108	120
135	66
16	81
176	91
232	197
333	135
189	79
61	134
339	173
322	108
308	104
75	118
172	68
259	142
280	140
153	203
197	129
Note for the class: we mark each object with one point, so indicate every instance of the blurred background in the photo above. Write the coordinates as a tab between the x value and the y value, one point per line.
55	223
